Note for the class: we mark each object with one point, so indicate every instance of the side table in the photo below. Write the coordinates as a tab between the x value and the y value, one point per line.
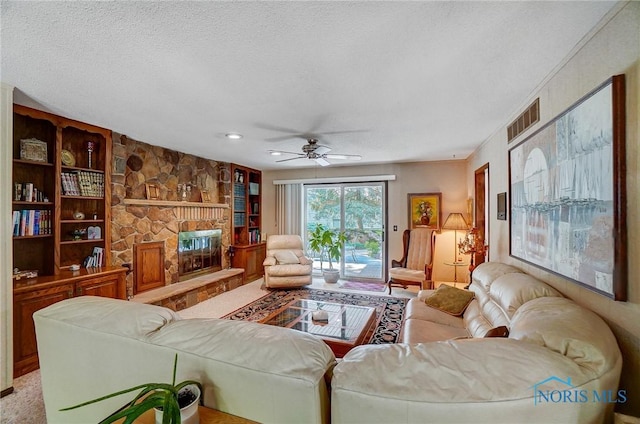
207	416
456	265
456	284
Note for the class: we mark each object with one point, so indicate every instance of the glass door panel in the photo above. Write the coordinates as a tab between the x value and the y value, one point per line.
358	210
364	226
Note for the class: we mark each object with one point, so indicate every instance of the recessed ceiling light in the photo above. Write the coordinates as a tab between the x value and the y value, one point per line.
233	136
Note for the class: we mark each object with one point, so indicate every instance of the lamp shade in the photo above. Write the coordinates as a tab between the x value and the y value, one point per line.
455	221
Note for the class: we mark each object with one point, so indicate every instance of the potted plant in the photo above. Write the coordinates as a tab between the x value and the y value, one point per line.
331	242
174	403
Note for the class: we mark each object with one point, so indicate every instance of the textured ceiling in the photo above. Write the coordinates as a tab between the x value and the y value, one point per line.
391	81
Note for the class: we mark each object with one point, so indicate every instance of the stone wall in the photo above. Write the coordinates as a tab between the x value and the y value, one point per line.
136	164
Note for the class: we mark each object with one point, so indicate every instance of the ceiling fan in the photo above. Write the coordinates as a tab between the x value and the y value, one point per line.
314	151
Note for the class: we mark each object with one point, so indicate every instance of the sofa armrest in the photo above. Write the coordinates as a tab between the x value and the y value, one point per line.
269	261
305	261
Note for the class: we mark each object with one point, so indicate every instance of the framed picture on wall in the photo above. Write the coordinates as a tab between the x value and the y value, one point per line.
567	193
425	210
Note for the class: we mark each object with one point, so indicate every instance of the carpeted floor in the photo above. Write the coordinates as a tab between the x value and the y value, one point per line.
389	310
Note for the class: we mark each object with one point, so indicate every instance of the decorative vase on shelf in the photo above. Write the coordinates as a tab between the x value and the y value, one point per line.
78	215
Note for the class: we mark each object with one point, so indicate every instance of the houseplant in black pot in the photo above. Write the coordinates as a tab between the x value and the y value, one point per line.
329	242
176	403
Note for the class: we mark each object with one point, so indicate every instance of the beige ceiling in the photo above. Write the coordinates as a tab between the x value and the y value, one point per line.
391	81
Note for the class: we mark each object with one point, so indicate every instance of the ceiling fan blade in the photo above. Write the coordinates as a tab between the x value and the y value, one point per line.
284	152
322	162
321	150
285	160
344	157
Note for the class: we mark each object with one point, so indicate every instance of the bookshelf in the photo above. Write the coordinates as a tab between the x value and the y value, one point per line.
246	204
57	225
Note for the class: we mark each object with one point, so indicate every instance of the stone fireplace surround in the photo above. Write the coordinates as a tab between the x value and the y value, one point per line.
136	219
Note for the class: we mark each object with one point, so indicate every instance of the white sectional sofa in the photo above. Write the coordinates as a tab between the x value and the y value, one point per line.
446	371
92	346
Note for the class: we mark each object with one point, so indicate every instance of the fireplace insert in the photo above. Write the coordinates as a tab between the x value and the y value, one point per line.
199	252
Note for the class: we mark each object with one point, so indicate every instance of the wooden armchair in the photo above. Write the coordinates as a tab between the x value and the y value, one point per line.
417	260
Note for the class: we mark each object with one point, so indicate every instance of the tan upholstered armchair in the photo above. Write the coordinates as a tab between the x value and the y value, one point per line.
285	264
417	260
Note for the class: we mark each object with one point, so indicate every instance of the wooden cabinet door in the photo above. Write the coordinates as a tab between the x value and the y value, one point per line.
112	286
148	266
25	350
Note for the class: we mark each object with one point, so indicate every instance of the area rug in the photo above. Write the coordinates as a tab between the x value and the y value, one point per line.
389	310
362	286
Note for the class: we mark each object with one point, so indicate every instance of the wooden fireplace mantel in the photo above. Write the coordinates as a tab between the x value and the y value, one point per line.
185	210
174	203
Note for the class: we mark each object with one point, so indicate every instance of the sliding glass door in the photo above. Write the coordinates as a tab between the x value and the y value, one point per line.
358	210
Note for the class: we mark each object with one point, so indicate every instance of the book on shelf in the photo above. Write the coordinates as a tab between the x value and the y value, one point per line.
83	183
96	259
30	222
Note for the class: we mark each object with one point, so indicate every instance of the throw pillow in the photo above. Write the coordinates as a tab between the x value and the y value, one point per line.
449	299
286	257
501	331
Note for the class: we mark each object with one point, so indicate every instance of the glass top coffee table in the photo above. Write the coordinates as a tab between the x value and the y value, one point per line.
346	328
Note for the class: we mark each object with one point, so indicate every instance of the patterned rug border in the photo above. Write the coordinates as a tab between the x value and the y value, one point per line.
390	311
363	286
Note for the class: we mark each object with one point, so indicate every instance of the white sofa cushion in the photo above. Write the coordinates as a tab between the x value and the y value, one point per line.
579	334
420	331
485	273
511	291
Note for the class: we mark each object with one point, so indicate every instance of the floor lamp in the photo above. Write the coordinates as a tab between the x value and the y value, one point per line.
455	221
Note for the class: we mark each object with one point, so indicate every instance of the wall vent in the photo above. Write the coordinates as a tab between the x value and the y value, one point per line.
529	117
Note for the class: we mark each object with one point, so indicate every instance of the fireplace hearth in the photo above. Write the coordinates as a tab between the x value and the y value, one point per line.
199	252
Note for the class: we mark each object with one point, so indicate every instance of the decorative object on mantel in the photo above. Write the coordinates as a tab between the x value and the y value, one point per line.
205	196
184	192
567	193
153	191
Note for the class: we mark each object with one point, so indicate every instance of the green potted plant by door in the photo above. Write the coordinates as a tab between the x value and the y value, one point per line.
173	403
329	242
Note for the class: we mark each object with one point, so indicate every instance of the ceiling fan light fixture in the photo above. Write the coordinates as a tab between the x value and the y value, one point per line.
346	157
275	153
233	136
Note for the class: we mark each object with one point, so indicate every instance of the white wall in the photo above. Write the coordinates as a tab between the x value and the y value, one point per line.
614	49
447	177
6	231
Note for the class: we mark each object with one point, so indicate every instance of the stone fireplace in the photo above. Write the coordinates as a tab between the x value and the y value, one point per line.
138	219
199	252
